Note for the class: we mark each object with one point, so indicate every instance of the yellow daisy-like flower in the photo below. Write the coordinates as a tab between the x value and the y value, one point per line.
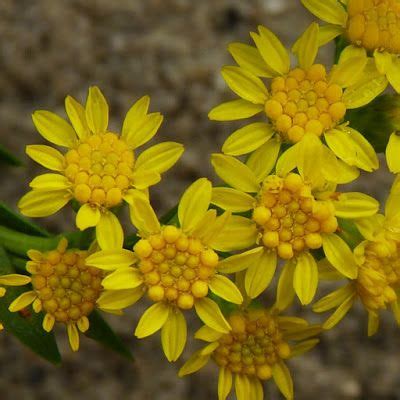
64	287
12	280
176	267
253	351
301	100
99	168
378	261
370	26
291	215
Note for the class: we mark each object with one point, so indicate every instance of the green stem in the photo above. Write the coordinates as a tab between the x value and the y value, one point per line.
18	262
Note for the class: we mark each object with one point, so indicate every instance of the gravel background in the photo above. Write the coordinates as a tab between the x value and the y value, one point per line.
172	50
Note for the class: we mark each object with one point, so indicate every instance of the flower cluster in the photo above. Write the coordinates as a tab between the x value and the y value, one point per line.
279	223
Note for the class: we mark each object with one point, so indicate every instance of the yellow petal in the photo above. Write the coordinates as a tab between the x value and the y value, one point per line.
285	292
355	205
143	179
328	10
334	299
373	323
383	61
207	334
235	109
247	139
288	160
73	336
238	233
77	116
370	226
232	199
339	313
195	362
209	312
393	153
306	47
48	322
14	279
173	335
235	173
327	33
123	278
256	389
339	255
283	379
87	216
152	320
260	273
215	229
242	387
272	50
305	279
348	72
239	262
43	203
111	259
118	299
226	289
134	117
46	156
303	347
48	182
263	160
109	233
96	110
393	74
159	158
22	301
327	272
224	383
250	59
245	84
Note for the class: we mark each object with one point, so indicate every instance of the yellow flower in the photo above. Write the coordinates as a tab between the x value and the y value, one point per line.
370	26
301	100
176	267
254	351
99	168
64	287
393	153
378	262
291	215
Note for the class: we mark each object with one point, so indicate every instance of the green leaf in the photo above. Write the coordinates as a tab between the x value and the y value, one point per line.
8	158
27	329
100	331
349	232
16	221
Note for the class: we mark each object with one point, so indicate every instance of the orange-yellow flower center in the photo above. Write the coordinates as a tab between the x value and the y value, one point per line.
374	24
379	274
253	346
304	102
176	268
100	169
66	288
289	218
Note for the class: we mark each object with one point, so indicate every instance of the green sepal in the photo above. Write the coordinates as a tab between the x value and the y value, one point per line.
27	329
101	332
349	233
17	222
226	307
6	157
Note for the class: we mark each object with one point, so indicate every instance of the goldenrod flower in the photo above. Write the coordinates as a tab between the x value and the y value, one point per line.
176	267
65	288
254	351
99	168
370	26
378	279
291	215
301	100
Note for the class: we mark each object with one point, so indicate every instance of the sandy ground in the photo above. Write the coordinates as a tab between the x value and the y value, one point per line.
172	50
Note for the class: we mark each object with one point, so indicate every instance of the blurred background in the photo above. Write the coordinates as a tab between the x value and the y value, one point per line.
173	51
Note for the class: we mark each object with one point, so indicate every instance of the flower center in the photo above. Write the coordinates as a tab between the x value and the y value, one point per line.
253	346
379	271
66	288
288	217
176	268
304	102
374	24
100	169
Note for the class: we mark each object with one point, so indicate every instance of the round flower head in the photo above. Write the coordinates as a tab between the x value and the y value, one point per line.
378	279
306	99
176	267
99	168
371	26
63	287
292	214
252	352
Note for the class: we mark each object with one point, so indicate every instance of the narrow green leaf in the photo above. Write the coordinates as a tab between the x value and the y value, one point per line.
100	331
7	157
26	328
